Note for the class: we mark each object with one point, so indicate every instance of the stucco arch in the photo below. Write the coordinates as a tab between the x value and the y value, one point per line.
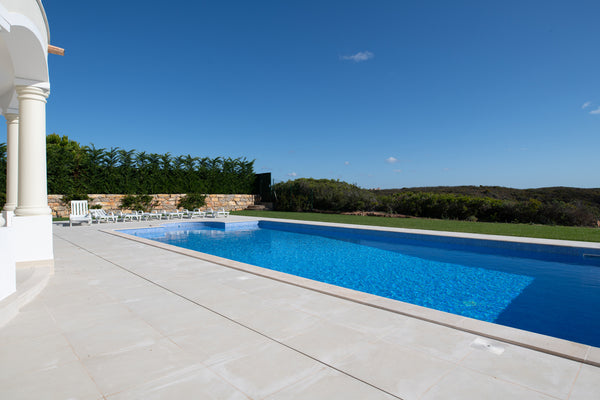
26	223
24	55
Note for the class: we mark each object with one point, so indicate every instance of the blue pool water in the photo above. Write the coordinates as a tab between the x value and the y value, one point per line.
544	289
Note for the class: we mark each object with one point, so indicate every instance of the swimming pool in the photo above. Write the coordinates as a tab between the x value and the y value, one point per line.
553	290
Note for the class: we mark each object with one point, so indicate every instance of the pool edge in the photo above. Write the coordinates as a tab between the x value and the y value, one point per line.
547	344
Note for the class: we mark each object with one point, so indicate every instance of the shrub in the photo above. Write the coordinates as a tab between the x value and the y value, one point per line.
142	202
307	194
192	201
67	198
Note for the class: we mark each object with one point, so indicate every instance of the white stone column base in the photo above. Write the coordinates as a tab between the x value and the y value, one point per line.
33	238
32	211
7	216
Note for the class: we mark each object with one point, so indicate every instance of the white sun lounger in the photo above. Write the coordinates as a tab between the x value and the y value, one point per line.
130	216
79	212
196	213
173	214
102	216
150	215
222	212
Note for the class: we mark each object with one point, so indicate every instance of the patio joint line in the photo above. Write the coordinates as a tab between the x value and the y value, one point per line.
233	320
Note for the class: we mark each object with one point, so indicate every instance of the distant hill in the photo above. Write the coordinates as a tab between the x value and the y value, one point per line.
589	197
549	206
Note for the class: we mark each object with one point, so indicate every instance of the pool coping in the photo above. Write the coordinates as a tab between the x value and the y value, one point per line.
547	344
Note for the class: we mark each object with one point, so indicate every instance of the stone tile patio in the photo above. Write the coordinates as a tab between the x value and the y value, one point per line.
124	320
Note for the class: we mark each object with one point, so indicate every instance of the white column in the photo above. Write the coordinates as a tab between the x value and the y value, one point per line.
12	157
32	192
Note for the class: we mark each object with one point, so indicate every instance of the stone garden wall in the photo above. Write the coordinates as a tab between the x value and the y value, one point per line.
167	202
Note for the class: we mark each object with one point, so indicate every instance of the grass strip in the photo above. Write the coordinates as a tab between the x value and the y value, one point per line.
522	230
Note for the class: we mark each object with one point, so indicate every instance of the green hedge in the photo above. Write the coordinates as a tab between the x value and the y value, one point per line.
74	169
85	169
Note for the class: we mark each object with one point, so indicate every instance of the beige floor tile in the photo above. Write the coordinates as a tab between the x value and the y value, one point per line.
329	384
78	316
437	340
329	342
280	323
29	355
323	305
246	282
538	371
116	372
137	291
83	297
402	371
112	336
28	325
180	320
284	293
212	294
66	381
465	384
162	302
190	287
195	381
369	320
219	341
269	368
239	307
587	385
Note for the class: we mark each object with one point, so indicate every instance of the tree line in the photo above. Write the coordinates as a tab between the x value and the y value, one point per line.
75	169
335	196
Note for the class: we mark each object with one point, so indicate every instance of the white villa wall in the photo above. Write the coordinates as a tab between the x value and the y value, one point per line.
7	262
33	238
24	85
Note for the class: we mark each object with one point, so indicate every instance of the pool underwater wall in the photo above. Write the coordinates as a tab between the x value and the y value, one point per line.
544	252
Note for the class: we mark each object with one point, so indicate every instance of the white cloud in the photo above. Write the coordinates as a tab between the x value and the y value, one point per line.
596	111
359	57
391	160
346	162
292	174
586	104
397	171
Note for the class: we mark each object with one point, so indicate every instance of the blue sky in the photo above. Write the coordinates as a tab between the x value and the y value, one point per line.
378	93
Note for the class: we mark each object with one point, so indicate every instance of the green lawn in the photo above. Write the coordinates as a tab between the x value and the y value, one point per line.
537	231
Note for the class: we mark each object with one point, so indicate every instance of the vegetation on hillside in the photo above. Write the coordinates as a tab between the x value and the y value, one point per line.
544	195
552	206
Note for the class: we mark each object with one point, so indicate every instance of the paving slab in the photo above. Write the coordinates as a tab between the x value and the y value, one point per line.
124	320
